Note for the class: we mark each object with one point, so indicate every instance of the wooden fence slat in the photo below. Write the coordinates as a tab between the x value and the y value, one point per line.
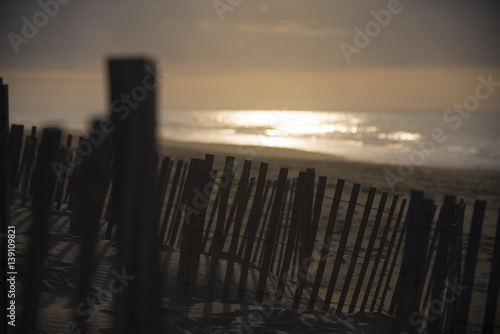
192	181
161	192
15	146
280	226
294	222
265	228
380	249
493	286
470	265
161	187
286	225
208	229
411	277
173	192
181	200
261	226
24	160
30	161
217	247
305	220
241	194
77	198
441	262
245	233
455	273
342	245
393	264
204	187
271	233
110	214
253	222
357	247
311	238
230	218
388	255
62	178
326	242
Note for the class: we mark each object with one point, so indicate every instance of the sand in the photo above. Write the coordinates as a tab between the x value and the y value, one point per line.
197	315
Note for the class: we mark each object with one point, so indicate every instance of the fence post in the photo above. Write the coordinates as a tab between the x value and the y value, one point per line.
492	297
137	306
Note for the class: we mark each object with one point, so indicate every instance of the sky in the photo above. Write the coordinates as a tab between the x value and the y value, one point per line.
254	54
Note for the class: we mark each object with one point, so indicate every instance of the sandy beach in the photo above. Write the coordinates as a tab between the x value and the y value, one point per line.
198	315
469	185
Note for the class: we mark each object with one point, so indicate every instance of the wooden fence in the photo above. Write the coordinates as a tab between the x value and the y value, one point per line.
354	250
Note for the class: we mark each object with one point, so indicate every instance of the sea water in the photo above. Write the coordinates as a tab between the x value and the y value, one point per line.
420	138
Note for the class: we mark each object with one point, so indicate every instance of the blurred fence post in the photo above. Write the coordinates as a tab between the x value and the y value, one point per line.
133	102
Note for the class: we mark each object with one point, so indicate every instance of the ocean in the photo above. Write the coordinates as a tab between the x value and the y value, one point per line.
420	138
